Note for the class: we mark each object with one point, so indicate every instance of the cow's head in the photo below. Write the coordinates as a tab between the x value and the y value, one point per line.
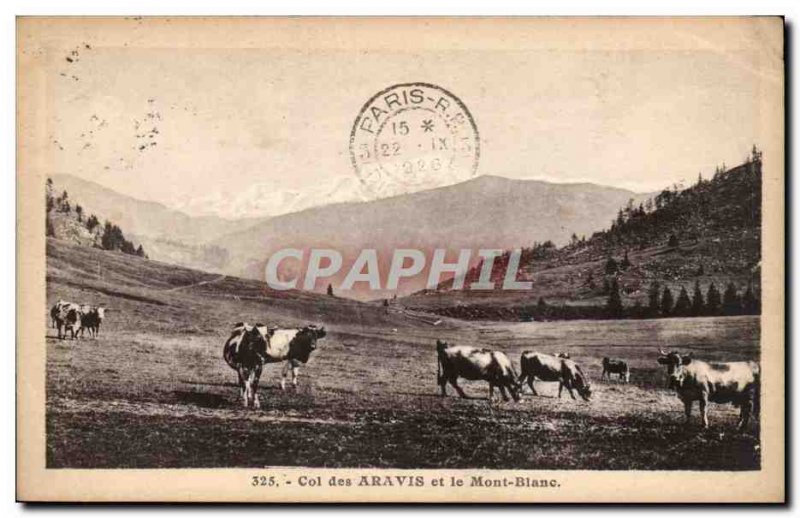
441	345
313	333
256	342
101	312
563	355
675	367
305	342
585	391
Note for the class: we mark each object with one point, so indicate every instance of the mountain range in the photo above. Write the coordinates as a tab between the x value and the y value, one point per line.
261	200
485	212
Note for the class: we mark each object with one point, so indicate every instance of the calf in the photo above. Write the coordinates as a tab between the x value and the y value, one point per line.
616	367
545	367
475	364
738	383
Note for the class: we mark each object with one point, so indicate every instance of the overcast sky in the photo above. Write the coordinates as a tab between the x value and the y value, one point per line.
628	115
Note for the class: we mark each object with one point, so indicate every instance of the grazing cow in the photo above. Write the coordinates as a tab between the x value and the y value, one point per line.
55	310
545	367
91	318
471	363
616	367
68	318
246	352
733	382
294	346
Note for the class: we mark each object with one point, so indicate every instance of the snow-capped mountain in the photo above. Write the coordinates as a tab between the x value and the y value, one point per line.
261	200
264	200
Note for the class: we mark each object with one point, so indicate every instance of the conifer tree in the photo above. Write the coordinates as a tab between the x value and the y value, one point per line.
683	305
750	304
698	306
614	304
731	305
712	300
666	302
654	299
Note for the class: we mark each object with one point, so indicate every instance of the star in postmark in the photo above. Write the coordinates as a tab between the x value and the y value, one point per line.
427	125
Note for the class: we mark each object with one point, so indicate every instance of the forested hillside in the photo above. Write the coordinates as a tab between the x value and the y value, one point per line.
67	220
691	251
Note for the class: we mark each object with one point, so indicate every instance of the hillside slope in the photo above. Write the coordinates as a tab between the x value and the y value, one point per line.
167	235
708	233
165	297
68	220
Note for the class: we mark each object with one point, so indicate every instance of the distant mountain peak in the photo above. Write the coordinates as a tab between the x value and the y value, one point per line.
263	199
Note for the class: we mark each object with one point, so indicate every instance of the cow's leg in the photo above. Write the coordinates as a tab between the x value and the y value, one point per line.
243	385
251	388
454	383
491	390
513	390
241	382
503	392
687	409
746	410
560	388
295	372
443	385
284	372
521	380
603	375
530	384
704	409
568	384
256	377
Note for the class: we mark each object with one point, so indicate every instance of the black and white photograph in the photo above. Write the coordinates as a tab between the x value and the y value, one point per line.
401	259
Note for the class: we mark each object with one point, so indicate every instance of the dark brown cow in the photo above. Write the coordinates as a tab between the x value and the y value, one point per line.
91	318
732	382
618	367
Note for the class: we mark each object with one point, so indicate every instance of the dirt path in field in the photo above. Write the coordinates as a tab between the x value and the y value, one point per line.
75	406
201	283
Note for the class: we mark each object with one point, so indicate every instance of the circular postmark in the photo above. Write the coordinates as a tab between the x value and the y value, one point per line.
411	136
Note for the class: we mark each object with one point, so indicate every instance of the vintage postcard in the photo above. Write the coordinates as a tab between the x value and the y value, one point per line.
400	259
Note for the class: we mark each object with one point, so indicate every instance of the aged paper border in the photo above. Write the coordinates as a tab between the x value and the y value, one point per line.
36	483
